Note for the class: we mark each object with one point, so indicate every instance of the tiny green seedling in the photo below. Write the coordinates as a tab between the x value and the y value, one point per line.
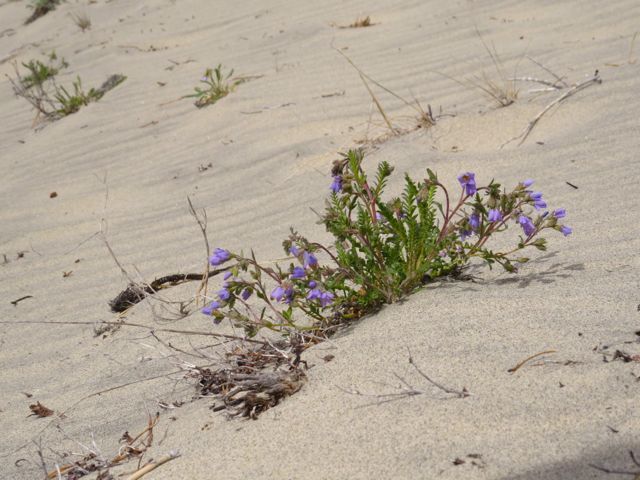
218	86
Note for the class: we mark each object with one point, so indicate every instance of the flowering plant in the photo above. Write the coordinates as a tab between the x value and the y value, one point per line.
384	249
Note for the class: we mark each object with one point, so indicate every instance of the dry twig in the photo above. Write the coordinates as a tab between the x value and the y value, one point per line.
153	465
92	462
202	224
521	364
575	89
408	390
634	473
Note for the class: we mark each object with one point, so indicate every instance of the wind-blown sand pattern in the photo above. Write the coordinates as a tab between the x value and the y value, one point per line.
133	158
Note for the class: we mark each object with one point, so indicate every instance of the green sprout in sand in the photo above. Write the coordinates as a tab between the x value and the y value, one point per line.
217	86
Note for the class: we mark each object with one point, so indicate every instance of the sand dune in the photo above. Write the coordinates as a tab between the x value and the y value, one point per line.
129	161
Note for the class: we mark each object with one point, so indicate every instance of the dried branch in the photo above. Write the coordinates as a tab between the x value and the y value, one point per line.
153	465
520	364
460	393
202	224
408	390
558	78
633	473
575	89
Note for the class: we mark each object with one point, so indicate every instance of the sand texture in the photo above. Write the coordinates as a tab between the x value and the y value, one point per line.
257	161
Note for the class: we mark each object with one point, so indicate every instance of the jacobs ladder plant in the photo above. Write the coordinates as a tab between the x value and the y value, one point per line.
384	249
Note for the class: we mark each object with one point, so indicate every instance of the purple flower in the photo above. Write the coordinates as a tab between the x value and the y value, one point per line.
288	295
227	275
336	186
527	225
246	293
442	253
379	217
278	293
326	299
560	213
494	215
223	294
566	231
298	273
314	294
294	251
309	260
464	234
474	221
312	284
219	256
527	183
540	204
536	196
468	182
208	310
281	294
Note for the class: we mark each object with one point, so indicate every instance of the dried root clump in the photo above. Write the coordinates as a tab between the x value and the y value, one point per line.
128	297
253	381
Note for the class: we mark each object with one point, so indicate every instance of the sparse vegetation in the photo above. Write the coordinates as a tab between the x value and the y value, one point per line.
501	88
41	8
40	72
53	101
425	118
361	22
82	21
71	102
218	86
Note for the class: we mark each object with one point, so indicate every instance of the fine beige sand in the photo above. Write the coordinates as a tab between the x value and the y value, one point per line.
257	161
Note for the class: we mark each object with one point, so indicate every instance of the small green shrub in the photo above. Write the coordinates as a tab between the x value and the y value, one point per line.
218	86
72	102
50	100
41	72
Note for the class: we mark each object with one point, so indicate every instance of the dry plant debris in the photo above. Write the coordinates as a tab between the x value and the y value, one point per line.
135	293
40	410
82	21
425	118
407	390
523	362
40	8
634	473
131	447
253	380
362	22
595	79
